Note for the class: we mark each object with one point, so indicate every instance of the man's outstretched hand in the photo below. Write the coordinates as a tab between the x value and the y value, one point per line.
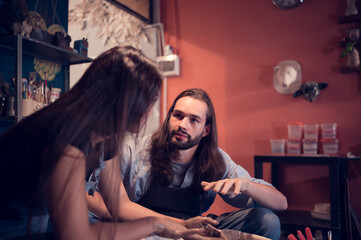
230	187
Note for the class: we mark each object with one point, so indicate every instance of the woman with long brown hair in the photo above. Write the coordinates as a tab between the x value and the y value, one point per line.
51	156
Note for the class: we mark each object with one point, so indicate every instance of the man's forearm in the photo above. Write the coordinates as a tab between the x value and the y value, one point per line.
266	196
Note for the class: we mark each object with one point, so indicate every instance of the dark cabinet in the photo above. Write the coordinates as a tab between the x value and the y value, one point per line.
297	220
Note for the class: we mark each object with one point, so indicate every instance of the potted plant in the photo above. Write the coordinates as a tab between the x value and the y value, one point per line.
353	58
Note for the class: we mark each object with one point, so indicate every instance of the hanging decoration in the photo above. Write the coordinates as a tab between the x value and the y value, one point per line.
310	90
116	26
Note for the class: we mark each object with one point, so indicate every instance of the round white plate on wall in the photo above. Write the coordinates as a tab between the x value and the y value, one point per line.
287	77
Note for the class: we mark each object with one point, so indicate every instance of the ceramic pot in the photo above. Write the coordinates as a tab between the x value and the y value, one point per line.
351	8
353	58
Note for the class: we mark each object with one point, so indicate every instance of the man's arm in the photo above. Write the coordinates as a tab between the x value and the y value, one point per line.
264	195
237	180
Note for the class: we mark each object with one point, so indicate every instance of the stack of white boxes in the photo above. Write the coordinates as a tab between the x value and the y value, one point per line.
304	138
310	141
295	130
307	134
329	140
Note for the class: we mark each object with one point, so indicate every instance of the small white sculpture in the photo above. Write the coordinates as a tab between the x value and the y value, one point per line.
22	28
287	77
26	29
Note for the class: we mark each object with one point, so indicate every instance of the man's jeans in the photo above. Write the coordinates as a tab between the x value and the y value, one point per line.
260	221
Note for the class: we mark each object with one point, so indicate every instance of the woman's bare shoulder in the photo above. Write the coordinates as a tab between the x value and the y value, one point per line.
73	152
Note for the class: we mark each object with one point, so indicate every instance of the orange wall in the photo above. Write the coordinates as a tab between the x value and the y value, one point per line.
229	47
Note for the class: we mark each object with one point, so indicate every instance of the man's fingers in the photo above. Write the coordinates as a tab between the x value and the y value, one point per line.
204	183
237	187
215	186
219	185
226	187
209	186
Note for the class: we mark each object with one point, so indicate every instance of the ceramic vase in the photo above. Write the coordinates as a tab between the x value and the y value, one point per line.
351	8
353	58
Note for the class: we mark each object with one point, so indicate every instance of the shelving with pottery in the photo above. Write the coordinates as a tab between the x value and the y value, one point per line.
353	60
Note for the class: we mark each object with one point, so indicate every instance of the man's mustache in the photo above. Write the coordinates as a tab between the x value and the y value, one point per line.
174	132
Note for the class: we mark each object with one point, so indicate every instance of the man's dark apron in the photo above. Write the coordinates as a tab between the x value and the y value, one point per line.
176	202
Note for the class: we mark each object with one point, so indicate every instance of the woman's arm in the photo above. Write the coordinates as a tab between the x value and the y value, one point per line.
69	213
97	206
128	210
115	198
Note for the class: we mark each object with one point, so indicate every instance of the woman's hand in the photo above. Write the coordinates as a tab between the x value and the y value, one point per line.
169	229
198	222
209	233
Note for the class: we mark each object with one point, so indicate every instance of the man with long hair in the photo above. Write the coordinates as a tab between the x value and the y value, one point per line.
179	170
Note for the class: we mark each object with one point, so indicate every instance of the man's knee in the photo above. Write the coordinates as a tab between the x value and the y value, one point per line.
259	221
267	217
268	221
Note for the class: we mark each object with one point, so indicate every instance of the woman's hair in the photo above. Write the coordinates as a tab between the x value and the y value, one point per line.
111	98
209	164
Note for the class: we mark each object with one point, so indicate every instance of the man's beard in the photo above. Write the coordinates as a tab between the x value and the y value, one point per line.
184	145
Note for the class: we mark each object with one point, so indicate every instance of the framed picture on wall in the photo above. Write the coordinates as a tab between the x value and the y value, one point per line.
141	9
